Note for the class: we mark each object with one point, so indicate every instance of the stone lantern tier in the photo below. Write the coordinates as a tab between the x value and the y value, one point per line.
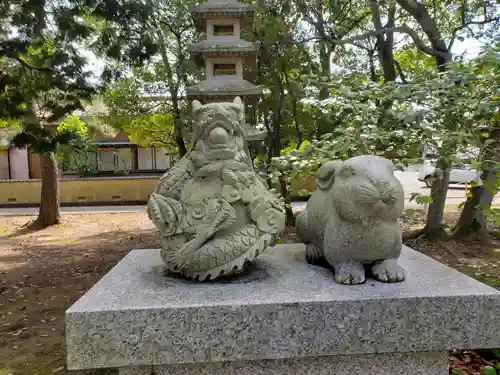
223	9
225	48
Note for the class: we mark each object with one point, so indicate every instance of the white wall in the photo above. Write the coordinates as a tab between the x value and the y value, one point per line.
125	159
145	159
163	159
105	160
120	159
19	164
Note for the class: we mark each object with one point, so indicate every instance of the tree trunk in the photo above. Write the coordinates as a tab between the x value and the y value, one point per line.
179	139
434	226
373	71
434	223
472	218
285	193
324	126
385	42
325	50
276	143
421	15
49	199
173	88
289	88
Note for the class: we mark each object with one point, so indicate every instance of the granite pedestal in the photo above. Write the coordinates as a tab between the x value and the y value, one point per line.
282	316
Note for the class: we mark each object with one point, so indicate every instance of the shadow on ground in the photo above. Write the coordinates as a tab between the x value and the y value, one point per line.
44	272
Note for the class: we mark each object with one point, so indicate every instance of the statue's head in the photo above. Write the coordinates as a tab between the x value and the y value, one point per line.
363	187
218	135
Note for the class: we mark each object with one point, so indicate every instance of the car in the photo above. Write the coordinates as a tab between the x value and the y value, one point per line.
460	173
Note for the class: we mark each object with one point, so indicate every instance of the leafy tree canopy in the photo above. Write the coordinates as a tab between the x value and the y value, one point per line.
42	71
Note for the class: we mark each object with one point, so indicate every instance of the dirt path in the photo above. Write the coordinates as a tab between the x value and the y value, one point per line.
43	273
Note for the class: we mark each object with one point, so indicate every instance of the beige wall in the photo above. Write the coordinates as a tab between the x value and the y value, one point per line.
302	184
98	189
103	189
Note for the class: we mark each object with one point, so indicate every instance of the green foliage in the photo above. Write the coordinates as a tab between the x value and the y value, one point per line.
75	156
420	198
43	140
282	65
415	63
79	160
8	129
71	133
155	88
72	123
395	120
151	130
311	114
123	103
43	77
148	122
10	124
488	370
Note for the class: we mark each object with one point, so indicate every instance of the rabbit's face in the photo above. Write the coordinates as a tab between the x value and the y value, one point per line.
365	187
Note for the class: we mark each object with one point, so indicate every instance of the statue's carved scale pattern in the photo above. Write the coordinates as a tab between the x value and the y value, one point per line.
213	211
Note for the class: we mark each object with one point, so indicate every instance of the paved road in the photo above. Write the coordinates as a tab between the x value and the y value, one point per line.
409	180
411	184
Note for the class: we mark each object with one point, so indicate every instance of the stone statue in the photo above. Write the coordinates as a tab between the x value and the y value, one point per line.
213	211
351	220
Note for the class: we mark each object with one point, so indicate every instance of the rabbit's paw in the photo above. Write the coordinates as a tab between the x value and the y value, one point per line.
388	271
350	273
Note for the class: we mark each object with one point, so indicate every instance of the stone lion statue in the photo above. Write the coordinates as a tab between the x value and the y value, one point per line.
213	211
351	220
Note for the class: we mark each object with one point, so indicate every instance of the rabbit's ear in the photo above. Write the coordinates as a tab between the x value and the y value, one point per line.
325	175
196	105
238	101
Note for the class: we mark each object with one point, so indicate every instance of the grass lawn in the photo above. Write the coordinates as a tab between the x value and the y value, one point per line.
42	273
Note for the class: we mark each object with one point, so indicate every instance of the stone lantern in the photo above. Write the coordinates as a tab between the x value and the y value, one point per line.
226	57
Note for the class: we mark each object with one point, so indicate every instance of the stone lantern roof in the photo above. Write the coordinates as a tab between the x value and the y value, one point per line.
222	9
224	89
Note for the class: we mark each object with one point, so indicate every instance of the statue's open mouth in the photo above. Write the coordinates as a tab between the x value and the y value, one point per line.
218	146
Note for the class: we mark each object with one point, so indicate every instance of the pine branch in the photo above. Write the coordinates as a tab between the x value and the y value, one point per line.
25	64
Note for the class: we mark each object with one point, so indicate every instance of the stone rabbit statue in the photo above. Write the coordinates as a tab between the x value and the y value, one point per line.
351	220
